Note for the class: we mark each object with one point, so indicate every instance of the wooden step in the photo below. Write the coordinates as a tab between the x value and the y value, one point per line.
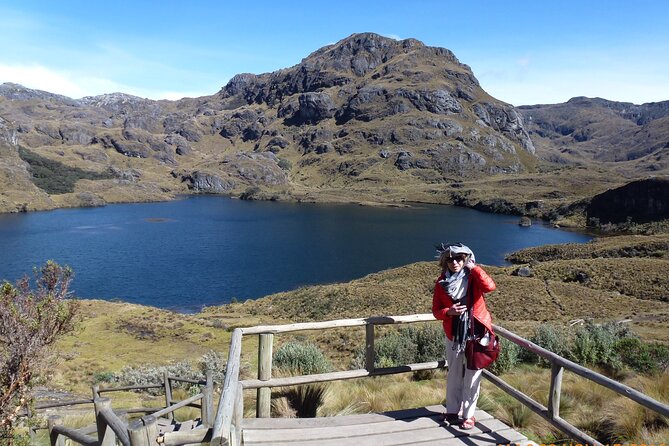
403	427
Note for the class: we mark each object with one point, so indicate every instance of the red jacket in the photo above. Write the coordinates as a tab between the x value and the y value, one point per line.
479	283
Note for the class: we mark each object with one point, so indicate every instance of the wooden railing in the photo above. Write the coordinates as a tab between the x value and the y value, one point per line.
227	426
110	427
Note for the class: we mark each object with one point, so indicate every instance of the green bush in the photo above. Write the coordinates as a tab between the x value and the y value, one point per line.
301	358
509	357
284	164
394	349
595	345
408	345
642	357
551	338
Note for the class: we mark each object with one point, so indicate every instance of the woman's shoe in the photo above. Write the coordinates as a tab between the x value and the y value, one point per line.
450	418
467	424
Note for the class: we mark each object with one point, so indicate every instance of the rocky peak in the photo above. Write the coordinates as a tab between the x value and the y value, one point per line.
114	101
17	92
360	53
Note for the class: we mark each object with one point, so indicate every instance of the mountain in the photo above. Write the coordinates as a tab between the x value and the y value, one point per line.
367	119
367	115
627	137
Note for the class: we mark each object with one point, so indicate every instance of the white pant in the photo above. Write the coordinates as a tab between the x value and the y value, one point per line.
462	384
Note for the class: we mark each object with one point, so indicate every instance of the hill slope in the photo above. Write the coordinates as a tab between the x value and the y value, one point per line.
368	115
627	137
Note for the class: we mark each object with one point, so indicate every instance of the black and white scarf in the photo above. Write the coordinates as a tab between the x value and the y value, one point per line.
456	285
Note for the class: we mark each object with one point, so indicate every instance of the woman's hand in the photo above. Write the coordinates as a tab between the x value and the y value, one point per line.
470	265
456	310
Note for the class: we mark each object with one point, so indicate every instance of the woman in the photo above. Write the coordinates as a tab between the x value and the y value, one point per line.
457	300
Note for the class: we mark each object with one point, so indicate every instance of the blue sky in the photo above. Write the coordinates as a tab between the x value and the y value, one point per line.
522	52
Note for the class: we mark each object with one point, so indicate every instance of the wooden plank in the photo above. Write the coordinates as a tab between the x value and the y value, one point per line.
339	376
344	420
378	320
342	432
504	437
441	435
188	437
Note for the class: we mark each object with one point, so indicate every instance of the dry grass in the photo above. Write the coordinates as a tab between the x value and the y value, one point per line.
627	421
381	394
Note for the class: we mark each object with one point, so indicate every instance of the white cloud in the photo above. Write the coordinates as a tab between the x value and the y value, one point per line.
392	36
77	85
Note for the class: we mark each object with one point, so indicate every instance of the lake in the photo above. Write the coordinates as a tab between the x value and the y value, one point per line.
207	250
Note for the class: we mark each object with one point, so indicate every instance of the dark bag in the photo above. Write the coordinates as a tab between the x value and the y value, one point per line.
479	356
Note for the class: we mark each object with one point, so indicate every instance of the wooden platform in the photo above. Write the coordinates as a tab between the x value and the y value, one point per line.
421	426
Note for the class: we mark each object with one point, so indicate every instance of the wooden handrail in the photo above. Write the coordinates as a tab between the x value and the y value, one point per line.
223	432
225	426
374	320
338	376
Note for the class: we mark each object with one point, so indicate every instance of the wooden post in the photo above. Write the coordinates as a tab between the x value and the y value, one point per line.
264	394
369	347
207	404
143	432
96	391
168	394
55	438
556	386
106	435
238	416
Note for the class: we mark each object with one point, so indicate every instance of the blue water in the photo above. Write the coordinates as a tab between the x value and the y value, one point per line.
206	250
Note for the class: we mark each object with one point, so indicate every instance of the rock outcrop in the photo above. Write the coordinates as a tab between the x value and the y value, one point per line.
621	134
639	202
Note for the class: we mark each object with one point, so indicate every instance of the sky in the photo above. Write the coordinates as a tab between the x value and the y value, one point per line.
522	52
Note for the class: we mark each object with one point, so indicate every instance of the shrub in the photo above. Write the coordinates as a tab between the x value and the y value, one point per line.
31	321
595	344
408	345
550	338
509	357
148	374
394	349
301	358
284	164
103	377
642	357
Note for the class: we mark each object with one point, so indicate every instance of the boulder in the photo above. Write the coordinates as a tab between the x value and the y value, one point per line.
524	271
130	148
207	183
315	107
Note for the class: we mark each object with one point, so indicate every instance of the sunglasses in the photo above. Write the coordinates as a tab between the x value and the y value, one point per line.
455	259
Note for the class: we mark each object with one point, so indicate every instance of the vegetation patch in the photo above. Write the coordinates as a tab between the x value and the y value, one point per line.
54	177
